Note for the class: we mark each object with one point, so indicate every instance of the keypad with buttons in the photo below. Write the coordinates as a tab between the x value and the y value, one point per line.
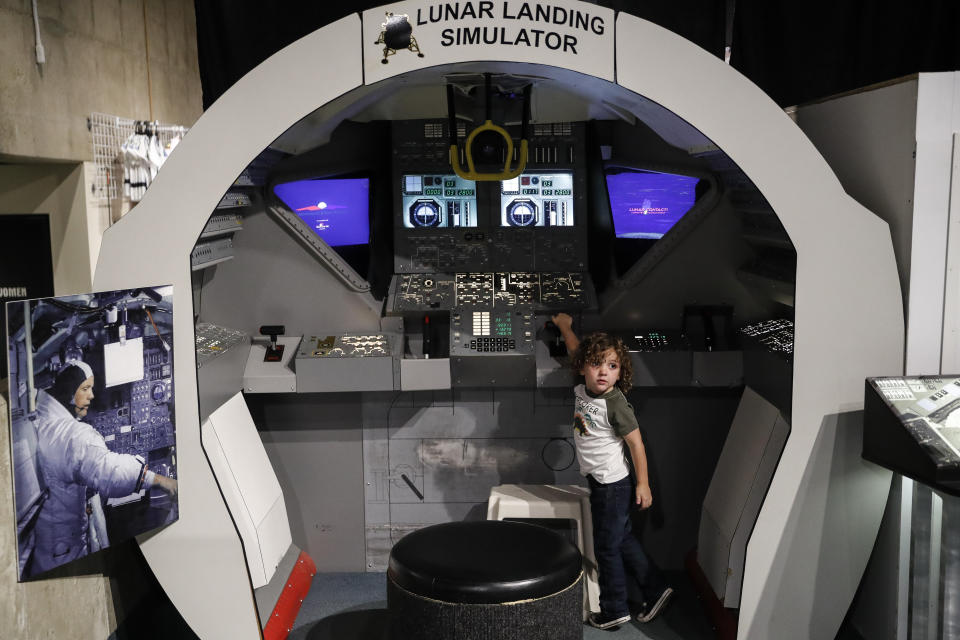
476	332
492	345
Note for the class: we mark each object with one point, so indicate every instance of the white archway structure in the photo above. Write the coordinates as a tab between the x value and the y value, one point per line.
819	521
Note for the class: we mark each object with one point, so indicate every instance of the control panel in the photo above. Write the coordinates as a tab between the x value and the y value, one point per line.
533	222
349	362
773	335
473	263
650	341
349	345
137	417
492	346
421	292
540	291
491	331
448	251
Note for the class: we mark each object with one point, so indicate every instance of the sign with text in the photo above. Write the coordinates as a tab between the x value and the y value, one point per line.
405	36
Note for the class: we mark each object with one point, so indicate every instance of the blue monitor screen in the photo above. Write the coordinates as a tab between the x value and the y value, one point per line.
646	204
336	209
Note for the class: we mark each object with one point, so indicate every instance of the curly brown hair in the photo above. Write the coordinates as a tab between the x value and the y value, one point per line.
591	350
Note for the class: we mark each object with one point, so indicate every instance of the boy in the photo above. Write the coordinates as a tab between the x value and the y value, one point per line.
603	421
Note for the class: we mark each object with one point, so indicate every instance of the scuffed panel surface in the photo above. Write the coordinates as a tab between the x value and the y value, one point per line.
433	457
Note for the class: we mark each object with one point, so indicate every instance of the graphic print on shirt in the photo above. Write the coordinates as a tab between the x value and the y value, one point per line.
581	423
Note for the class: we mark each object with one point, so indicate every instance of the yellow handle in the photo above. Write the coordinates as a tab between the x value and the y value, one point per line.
506	174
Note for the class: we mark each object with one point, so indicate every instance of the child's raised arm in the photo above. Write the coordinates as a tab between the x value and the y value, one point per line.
564	323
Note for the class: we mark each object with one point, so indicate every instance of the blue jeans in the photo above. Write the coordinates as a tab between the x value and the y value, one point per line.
618	552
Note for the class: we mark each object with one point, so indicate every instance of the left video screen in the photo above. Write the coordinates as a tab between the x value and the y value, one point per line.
336	209
437	201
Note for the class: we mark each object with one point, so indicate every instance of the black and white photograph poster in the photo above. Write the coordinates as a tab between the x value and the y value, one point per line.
93	432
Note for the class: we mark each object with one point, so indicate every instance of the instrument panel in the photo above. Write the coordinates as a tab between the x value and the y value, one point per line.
540	291
775	336
137	417
351	345
491	332
533	222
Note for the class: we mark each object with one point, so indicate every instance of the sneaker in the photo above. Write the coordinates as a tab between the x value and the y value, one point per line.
649	611
606	621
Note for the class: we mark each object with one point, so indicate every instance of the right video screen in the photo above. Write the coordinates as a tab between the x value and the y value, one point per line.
647	204
537	200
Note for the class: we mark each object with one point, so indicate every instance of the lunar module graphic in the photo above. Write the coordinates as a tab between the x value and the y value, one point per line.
397	34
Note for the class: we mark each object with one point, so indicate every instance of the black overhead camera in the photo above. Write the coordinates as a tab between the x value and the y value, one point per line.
274	351
489	150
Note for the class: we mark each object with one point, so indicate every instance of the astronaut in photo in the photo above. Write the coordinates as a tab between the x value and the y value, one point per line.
92	422
73	459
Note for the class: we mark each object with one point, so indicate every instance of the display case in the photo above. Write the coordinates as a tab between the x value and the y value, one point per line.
911	425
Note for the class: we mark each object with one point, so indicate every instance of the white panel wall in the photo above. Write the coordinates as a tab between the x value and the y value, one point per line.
798	582
895	148
740	481
938	117
249	486
199	559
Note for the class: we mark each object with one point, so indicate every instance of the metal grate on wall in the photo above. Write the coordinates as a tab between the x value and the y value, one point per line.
107	135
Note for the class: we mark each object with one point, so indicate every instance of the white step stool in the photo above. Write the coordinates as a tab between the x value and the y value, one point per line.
553	501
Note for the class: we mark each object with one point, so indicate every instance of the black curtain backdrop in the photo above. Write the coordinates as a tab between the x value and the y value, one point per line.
26	266
234	36
796	51
802	51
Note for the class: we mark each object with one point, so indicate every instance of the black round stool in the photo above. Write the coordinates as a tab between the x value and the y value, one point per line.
489	580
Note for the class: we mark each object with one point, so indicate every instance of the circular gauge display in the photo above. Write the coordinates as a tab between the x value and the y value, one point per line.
522	212
159	392
425	213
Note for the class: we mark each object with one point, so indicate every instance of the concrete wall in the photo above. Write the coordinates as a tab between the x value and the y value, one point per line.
58	189
96	60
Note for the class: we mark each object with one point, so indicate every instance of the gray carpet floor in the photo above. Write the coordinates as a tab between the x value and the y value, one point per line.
353	606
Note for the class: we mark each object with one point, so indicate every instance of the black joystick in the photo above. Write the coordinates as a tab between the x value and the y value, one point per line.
551	335
274	351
